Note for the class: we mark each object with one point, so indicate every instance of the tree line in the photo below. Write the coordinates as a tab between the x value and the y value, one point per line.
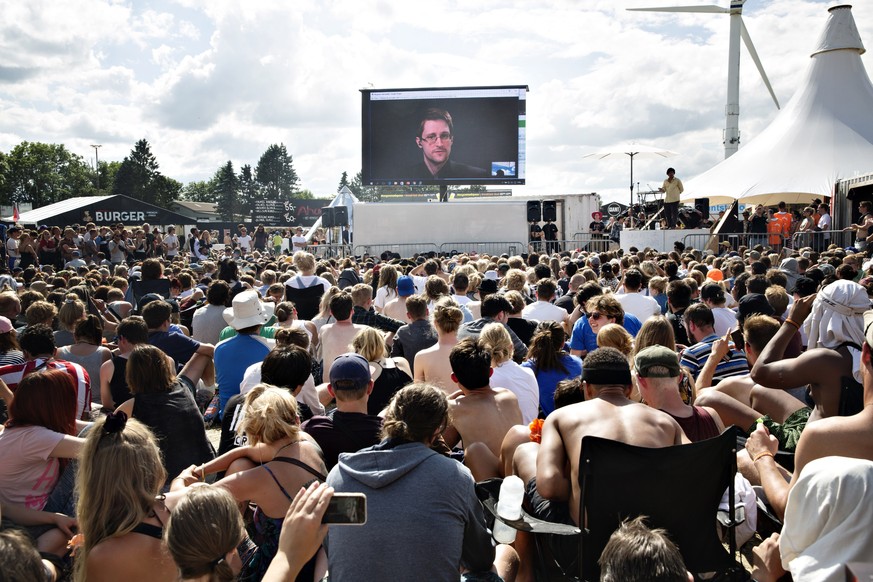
44	173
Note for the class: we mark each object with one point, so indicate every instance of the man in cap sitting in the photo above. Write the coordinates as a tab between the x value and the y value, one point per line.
349	429
657	371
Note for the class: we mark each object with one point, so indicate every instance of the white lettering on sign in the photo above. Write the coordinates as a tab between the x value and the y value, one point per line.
117	216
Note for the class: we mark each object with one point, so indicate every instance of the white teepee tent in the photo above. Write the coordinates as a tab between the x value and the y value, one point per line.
825	133
344	197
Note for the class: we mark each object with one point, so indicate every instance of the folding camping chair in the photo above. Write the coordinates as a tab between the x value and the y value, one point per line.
678	488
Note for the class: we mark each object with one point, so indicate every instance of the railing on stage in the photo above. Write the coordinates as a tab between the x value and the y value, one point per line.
585	241
703	241
820	240
327	251
490	248
404	250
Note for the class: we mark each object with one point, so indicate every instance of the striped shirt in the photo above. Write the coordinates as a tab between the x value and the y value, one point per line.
13	374
733	364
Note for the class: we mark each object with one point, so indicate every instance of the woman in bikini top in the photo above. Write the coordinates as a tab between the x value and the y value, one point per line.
279	460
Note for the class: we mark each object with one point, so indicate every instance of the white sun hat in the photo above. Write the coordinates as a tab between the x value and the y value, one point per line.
248	310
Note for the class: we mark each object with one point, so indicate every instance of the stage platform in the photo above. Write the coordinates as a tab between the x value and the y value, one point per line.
663	240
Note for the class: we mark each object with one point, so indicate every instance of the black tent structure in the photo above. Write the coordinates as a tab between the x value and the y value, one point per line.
101	210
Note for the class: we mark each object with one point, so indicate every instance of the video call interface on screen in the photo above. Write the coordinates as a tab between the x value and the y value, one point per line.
444	136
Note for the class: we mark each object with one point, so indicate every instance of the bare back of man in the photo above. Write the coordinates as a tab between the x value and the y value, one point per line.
396	309
483	415
432	366
611	415
336	339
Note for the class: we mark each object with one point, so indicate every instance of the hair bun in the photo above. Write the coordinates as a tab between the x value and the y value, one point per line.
115	422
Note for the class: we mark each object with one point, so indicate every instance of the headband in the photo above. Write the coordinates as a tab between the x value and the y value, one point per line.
607	376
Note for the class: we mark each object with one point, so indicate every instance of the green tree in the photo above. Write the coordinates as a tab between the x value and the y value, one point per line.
249	189
304	195
362	192
139	177
226	192
276	175
107	171
42	173
199	191
344	181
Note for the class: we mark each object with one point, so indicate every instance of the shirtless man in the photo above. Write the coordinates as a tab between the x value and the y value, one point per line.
850	436
396	308
864	228
432	364
337	337
551	469
478	413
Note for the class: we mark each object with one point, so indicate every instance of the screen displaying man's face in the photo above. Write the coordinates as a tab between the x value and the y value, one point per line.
436	141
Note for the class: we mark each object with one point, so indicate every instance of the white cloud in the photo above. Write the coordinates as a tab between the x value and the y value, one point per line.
210	81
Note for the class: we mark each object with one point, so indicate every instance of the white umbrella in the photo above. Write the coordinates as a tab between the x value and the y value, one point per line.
632	150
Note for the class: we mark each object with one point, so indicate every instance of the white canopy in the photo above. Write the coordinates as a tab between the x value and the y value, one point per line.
824	134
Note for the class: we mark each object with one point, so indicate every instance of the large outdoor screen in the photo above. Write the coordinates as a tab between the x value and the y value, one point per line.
444	136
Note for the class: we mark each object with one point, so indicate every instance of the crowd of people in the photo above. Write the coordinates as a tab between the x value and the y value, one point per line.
409	380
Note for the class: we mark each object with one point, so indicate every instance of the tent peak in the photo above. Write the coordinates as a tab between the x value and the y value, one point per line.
840	32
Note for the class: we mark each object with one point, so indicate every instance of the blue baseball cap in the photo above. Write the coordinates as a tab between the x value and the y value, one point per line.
350	371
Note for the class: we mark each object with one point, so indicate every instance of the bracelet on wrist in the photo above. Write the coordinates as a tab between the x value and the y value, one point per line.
792	322
762	455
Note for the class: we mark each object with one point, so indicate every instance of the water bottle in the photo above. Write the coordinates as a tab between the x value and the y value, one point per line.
508	507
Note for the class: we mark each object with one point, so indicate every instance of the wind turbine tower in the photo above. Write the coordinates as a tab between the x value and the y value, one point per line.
737	30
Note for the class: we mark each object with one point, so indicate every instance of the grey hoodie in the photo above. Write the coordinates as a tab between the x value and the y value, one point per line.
423	518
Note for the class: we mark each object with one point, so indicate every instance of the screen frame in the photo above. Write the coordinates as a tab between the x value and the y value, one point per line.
369	153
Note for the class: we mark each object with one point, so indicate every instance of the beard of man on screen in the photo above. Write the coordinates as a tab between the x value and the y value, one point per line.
435	139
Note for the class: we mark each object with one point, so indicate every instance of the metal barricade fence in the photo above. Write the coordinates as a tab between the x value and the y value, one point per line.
405	250
490	248
702	241
327	251
821	239
585	241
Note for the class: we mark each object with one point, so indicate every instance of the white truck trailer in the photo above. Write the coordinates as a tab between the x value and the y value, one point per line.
494	226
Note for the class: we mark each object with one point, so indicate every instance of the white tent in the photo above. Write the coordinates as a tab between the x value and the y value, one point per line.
824	134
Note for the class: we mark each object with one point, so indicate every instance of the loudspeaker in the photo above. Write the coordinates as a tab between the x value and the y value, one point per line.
341	216
702	204
550	210
534	211
328	216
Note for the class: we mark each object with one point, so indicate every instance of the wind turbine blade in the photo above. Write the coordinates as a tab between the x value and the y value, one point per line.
754	54
704	9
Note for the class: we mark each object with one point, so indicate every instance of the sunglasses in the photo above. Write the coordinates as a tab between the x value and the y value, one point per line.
595	315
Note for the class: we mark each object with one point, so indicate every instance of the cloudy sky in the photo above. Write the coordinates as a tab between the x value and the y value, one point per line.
208	81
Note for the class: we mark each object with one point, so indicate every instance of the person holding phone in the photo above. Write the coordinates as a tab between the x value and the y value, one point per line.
447	529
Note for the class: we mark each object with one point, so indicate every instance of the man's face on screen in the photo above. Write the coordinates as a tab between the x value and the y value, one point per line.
436	141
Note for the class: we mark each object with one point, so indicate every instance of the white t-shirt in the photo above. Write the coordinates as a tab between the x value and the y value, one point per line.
298	243
12	248
172	242
244	241
639	305
308	281
29	474
308	394
383	296
544	311
725	319
523	383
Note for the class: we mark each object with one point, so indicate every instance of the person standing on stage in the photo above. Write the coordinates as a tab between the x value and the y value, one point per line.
672	189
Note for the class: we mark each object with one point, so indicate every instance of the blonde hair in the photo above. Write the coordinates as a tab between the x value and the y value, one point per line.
304	261
370	343
205	526
496	339
270	415
119	475
615	336
656	330
515	280
447	316
71	312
